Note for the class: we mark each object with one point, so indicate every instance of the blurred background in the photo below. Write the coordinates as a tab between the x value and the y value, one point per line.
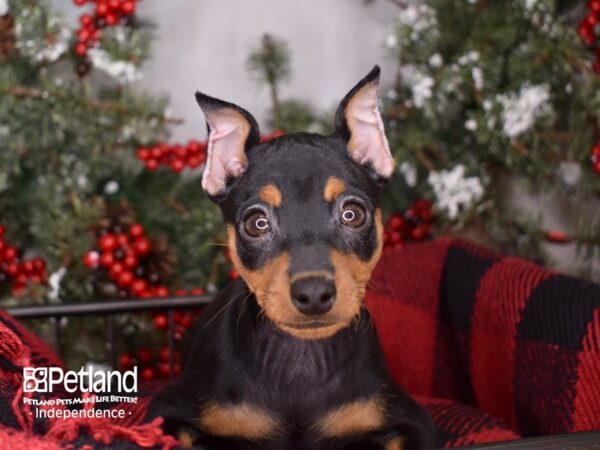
491	109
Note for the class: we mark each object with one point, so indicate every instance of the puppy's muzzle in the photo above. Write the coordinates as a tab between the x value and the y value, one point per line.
313	296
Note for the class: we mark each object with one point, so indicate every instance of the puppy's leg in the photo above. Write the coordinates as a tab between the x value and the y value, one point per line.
396	443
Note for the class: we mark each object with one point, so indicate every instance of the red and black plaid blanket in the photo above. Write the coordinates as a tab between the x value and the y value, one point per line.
495	348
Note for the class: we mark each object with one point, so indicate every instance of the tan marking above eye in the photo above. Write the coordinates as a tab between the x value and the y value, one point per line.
334	187
239	420
360	416
396	443
271	195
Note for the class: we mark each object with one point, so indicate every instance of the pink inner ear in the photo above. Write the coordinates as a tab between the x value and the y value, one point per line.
225	154
368	143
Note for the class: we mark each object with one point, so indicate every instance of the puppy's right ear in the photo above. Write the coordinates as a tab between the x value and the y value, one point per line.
231	132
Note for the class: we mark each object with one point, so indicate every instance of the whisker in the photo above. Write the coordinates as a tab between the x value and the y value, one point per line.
222	309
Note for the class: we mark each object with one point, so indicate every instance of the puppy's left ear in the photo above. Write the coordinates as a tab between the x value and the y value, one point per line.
359	122
232	131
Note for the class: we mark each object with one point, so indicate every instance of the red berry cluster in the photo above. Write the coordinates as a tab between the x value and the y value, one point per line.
122	254
412	225
589	29
269	137
107	13
151	369
16	272
176	156
183	320
595	157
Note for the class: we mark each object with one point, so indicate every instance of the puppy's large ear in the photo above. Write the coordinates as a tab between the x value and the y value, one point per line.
359	122
231	132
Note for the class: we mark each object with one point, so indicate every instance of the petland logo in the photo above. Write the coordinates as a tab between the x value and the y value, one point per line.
45	379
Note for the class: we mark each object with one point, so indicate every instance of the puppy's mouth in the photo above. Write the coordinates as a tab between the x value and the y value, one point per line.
310	324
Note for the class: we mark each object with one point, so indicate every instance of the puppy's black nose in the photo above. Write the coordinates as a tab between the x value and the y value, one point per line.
313	295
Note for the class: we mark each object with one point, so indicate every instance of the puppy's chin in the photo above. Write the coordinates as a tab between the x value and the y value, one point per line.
308	330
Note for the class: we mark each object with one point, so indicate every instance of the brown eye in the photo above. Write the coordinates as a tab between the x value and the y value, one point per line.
256	224
353	215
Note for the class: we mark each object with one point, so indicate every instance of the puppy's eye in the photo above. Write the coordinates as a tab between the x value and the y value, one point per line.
353	215
256	224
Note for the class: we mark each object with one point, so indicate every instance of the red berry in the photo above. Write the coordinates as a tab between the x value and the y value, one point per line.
177	165
143	153
2	231
39	264
193	162
102	8
115	270
152	165
148	374
138	287
144	356
130	261
156	152
12	269
80	49
108	242
142	246
233	274
27	267
193	146
10	253
187	320
125	361
114	4
161	291
197	291
136	230
86	20
591	20
128	7
84	34
181	293
396	222
91	259
161	321
79	2
107	258
111	19
596	167
395	237
125	279
594	5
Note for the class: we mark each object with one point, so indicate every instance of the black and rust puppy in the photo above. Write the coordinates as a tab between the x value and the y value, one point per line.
287	357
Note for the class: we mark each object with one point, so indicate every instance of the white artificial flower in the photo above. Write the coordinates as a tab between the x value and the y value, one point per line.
122	71
477	75
529	5
54	282
471	124
419	83
419	18
570	172
453	191
436	60
391	41
111	187
409	172
468	58
522	109
4	6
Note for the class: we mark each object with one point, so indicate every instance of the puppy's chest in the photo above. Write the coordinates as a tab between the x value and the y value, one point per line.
297	392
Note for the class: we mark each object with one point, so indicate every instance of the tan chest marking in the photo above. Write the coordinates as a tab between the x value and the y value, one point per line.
242	420
396	444
360	416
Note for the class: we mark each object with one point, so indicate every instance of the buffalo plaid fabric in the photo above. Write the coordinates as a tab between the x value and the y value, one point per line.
517	343
495	348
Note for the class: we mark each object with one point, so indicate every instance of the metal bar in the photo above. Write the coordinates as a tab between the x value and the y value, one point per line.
171	343
108	307
57	336
574	441
111	339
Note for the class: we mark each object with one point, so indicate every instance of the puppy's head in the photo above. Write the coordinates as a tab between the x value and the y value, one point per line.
302	212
